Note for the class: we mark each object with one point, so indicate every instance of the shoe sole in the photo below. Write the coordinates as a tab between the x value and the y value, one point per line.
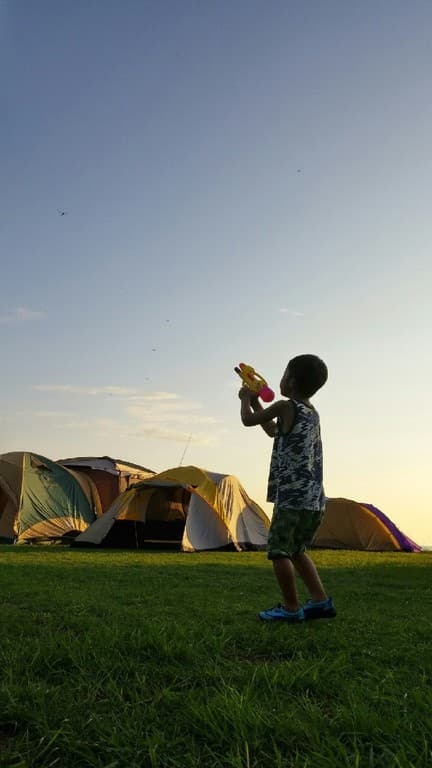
323	615
283	621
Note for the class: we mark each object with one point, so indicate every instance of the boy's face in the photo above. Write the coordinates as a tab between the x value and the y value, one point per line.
287	383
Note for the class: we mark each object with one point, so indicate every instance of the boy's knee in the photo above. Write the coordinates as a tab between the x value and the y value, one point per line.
297	555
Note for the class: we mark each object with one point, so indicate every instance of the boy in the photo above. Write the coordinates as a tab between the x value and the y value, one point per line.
295	485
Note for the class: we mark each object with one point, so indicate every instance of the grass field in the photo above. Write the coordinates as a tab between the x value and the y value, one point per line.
132	659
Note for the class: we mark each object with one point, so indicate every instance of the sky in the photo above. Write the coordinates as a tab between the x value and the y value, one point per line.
241	182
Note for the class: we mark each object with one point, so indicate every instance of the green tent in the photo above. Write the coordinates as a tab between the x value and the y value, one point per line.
42	501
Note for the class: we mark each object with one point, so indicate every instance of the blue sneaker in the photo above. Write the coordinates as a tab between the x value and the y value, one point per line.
322	609
279	613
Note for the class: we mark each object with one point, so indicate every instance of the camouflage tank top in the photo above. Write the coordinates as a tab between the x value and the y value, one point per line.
296	466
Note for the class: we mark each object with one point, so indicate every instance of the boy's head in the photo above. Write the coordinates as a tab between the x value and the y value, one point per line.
304	375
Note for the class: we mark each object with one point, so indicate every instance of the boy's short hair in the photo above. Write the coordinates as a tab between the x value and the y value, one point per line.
310	373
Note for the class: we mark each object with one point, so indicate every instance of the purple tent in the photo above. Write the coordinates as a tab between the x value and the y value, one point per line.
405	543
349	524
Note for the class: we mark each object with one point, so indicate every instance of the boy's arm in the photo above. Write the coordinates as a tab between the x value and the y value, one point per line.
269	427
262	416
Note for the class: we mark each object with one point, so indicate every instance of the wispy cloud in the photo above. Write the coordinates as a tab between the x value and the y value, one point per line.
174	435
160	415
152	397
71	389
21	315
167	416
44	414
292	312
99	426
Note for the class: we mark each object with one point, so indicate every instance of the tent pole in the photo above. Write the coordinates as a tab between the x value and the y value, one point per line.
186	447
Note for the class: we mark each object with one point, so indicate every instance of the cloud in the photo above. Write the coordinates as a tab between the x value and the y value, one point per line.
73	390
292	312
44	414
167	416
163	405
153	417
102	425
21	315
173	435
169	432
152	397
160	415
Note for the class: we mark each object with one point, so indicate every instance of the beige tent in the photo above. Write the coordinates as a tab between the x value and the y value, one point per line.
186	507
349	524
110	476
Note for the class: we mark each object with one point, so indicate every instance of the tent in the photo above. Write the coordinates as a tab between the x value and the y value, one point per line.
185	507
349	524
40	500
111	476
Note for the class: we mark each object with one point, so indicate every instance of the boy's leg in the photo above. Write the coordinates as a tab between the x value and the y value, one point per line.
285	574
280	545
308	573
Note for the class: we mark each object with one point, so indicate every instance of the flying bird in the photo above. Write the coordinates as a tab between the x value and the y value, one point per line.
61	213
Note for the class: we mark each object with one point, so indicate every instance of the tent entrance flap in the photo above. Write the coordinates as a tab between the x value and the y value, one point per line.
132	534
153	517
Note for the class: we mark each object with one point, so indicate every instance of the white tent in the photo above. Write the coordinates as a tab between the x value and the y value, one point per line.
185	506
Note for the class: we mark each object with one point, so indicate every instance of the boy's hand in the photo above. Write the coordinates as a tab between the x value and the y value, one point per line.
246	394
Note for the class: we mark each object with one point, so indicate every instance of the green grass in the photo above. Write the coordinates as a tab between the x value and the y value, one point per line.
135	659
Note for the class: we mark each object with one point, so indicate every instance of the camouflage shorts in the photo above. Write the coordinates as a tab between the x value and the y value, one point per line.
291	530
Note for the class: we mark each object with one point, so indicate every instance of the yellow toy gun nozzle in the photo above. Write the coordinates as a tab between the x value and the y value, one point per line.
254	382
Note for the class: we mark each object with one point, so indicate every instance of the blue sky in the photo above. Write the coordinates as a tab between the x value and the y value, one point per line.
243	181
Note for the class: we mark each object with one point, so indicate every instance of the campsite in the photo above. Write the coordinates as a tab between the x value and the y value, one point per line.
215	419
101	501
130	637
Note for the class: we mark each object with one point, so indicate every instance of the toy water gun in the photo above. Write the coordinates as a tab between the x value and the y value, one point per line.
255	382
